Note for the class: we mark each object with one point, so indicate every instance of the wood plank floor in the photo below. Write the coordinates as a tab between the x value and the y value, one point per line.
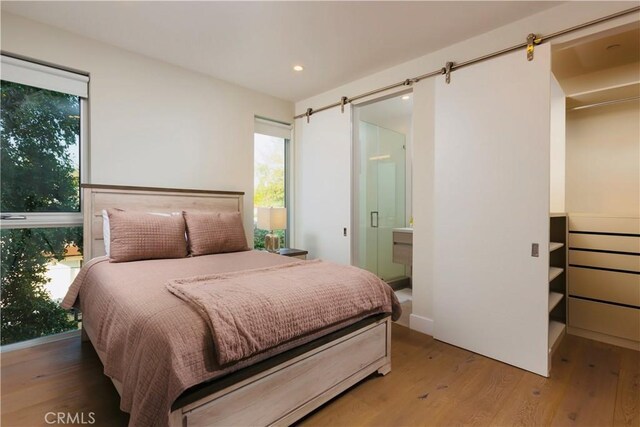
431	384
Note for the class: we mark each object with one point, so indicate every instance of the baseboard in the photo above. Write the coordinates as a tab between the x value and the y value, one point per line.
421	324
597	336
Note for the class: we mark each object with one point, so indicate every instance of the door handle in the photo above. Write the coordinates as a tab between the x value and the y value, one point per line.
12	217
371	219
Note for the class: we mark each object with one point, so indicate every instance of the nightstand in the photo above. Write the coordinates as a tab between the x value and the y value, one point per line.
294	253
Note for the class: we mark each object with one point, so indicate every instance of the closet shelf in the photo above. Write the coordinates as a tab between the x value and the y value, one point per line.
554	299
555	331
557	315
554	272
555	245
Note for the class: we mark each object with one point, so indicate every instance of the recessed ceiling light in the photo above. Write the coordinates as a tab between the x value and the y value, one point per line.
406	97
613	46
298	68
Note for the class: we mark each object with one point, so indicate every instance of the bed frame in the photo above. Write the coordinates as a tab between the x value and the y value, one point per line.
277	391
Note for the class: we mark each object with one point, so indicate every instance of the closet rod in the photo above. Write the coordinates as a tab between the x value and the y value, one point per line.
454	66
599	104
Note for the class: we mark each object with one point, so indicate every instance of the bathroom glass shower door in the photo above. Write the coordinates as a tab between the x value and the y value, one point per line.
382	198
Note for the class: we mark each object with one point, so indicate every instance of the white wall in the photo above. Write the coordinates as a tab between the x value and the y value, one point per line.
603	160
557	147
549	21
152	123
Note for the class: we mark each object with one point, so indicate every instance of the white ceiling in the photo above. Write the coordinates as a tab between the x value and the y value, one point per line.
255	44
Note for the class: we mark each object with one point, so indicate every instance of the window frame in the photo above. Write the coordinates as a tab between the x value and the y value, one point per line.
14	220
287	190
284	131
44	75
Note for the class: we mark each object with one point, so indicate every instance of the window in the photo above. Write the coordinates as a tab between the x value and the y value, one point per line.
271	174
41	128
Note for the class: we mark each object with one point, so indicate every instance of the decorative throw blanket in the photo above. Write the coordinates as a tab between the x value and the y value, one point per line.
254	310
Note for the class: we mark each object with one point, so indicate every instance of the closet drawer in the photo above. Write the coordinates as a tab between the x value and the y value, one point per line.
621	322
604	224
605	242
605	260
623	288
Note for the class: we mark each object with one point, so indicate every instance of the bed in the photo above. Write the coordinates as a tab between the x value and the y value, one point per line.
274	387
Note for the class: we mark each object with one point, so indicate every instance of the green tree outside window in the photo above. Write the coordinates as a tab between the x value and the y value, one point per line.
269	181
39	139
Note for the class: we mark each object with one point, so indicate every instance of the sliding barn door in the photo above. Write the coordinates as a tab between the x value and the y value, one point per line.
491	205
322	185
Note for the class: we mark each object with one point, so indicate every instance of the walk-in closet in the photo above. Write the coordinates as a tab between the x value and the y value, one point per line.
600	77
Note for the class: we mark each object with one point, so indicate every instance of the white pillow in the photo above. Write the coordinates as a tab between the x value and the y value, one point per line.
106	231
106	228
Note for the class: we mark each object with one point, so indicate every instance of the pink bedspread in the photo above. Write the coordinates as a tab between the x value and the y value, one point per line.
155	344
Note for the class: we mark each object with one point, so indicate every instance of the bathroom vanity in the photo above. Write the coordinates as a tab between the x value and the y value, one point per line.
403	245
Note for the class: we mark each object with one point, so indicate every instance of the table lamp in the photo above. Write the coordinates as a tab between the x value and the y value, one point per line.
272	219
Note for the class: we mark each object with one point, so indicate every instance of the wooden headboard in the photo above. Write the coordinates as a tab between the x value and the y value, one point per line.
97	197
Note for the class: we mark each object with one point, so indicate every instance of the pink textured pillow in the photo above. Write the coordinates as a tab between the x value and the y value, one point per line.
139	235
215	232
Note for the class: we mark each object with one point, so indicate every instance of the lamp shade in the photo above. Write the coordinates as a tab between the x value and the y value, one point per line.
272	218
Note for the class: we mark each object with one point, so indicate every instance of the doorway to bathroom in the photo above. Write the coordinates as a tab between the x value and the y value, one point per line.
382	184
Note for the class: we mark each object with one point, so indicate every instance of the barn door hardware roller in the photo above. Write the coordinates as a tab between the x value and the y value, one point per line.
343	101
532	40
446	70
309	113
